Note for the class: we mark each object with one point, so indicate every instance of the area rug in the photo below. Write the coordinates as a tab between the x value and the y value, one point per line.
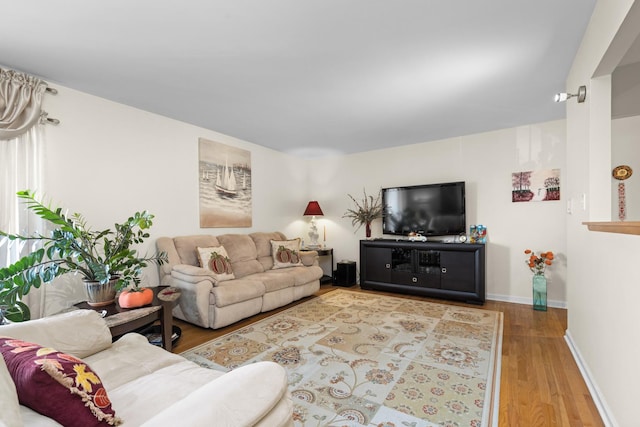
359	359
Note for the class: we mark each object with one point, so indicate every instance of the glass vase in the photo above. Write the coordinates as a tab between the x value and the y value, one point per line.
539	292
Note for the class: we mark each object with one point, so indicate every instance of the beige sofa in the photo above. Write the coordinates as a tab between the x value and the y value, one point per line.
148	386
257	287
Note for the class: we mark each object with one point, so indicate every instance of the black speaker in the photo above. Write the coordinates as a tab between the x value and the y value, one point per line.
346	273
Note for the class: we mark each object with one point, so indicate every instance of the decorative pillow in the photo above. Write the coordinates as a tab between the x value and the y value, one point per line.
217	261
286	253
57	385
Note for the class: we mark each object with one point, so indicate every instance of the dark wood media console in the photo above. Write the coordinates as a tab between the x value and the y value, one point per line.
442	270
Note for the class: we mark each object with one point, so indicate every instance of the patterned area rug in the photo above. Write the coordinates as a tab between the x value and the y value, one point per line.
357	359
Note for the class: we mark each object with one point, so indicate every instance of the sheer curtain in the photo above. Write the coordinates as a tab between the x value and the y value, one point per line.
21	154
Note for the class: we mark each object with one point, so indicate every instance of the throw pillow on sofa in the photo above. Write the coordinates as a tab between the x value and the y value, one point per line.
286	253
57	385
216	260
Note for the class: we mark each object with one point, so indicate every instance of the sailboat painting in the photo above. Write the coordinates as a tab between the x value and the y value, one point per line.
224	185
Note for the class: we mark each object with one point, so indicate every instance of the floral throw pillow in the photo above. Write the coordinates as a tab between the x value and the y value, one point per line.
286	253
57	385
217	261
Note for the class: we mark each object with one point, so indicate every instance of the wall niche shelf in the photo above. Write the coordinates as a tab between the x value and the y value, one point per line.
622	227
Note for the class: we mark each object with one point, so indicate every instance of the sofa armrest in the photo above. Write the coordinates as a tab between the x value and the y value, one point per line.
308	258
79	332
242	397
9	404
195	286
192	274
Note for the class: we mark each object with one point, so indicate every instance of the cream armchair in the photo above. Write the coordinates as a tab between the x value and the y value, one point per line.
147	385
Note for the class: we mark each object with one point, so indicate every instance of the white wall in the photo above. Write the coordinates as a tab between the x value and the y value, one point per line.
602	275
625	91
485	162
107	161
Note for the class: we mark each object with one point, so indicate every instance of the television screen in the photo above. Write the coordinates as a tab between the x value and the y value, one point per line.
431	210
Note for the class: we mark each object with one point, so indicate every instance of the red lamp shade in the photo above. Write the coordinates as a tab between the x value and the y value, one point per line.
313	208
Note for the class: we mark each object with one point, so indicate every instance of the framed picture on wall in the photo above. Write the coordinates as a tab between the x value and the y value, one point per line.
535	186
224	180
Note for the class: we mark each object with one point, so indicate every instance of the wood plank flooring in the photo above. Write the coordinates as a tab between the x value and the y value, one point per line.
540	382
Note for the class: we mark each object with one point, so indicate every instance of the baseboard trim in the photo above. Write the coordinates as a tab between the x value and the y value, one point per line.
526	301
603	409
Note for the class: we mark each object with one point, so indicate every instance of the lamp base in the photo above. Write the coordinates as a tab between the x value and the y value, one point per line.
313	234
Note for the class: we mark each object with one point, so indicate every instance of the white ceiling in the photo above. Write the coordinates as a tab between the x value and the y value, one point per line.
309	77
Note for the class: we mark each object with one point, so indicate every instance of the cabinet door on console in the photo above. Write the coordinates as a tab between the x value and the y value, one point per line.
427	267
378	268
458	271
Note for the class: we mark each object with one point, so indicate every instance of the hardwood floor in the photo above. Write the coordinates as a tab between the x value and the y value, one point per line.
540	382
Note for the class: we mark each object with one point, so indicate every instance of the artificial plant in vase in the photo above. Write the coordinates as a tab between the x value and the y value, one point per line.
105	259
365	212
538	265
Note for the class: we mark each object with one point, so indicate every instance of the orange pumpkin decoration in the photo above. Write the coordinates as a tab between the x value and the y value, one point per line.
132	298
220	264
283	255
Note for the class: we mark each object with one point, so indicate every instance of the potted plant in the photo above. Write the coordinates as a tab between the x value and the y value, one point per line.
105	259
365	212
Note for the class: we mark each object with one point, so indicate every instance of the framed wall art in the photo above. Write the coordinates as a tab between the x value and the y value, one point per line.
224	179
535	186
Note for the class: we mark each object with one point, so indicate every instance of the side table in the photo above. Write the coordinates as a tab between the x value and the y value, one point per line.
323	252
122	320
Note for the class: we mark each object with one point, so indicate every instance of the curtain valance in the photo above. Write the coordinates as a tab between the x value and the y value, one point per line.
20	102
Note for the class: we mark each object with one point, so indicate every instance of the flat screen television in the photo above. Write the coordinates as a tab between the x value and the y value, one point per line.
431	209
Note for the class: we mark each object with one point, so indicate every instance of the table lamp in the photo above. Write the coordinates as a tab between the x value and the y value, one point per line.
313	209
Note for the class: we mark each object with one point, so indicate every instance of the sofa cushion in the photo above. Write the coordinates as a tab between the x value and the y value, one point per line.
186	247
304	275
286	253
252	395
9	406
235	291
144	379
274	280
263	246
216	260
57	385
242	253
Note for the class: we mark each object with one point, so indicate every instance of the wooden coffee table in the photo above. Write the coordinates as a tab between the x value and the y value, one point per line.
123	320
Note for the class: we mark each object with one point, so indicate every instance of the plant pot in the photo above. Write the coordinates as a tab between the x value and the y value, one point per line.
99	295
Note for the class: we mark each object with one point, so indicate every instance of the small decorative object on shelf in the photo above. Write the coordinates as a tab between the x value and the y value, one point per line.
538	264
477	234
621	173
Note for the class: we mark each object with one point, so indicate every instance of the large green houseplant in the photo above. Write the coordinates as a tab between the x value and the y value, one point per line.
105	259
